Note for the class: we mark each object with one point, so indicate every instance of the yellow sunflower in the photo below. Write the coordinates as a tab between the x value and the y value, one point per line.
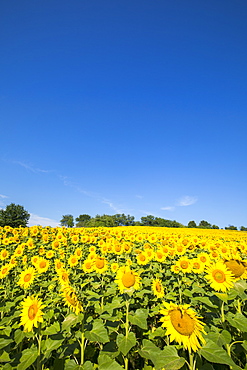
100	264
237	268
184	264
4	270
70	298
157	288
182	325
63	276
27	277
219	277
73	261
42	265
142	258
127	280
114	266
31	313
88	265
4	254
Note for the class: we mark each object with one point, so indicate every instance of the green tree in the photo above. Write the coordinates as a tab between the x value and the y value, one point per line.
204	225
243	228
123	220
148	220
82	220
67	221
14	215
231	227
192	224
215	227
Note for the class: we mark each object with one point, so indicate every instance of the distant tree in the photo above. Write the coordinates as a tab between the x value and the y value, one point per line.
204	225
67	221
215	227
192	224
102	221
242	228
231	227
148	220
123	220
82	220
14	215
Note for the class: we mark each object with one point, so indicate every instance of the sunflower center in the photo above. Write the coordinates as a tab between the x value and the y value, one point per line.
4	270
219	276
203	259
88	265
71	299
42	264
128	279
32	311
196	265
142	257
236	267
183	323
158	287
117	248
184	265
27	277
100	263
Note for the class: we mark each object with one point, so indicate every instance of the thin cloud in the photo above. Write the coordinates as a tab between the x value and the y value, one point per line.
168	208
187	201
31	168
3	196
139	196
42	221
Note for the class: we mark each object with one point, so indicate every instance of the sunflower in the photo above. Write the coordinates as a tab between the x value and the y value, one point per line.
184	264
88	265
70	298
4	270
160	256
157	288
63	276
42	265
4	254
114	266
219	277
142	258
197	266
78	253
31	313
27	278
127	279
182	325
73	261
100	264
237	268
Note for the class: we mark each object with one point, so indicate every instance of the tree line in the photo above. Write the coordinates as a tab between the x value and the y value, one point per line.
15	215
104	220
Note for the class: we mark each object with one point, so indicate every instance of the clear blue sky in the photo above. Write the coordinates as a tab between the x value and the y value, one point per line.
135	107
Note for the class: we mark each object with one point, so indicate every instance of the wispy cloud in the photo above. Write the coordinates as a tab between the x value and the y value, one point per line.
42	221
31	168
187	201
139	196
168	208
3	196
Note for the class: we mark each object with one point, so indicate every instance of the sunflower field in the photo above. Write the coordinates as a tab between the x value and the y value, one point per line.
133	298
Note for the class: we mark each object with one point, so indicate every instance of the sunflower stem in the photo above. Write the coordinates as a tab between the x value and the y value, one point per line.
222	313
127	303
82	342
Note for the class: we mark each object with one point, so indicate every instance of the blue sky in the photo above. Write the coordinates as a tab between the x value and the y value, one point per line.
135	107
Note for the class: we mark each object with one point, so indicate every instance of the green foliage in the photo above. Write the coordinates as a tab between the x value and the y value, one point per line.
67	221
192	224
82	220
14	215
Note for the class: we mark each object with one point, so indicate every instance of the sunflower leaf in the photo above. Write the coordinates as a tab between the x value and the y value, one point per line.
107	363
125	344
213	353
168	357
98	333
139	318
239	321
27	358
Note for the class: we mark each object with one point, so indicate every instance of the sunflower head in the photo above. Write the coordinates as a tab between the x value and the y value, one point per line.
128	280
31	313
219	277
183	325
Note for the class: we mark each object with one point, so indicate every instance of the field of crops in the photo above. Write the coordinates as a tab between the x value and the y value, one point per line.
122	298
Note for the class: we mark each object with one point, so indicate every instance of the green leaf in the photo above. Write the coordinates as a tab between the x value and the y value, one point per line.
206	301
4	342
19	336
27	358
213	353
167	358
51	344
53	329
4	357
125	344
139	318
220	338
222	296
98	333
107	363
239	321
72	365
69	321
